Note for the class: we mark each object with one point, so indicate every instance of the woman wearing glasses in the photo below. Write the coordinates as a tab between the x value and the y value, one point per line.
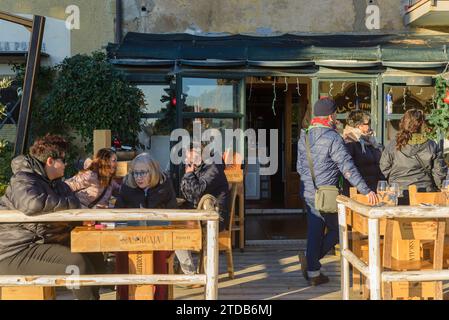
94	185
146	186
363	147
413	159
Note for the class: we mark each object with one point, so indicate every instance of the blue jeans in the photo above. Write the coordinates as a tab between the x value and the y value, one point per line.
319	243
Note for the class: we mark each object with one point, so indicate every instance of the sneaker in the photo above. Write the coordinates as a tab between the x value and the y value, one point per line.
303	262
321	279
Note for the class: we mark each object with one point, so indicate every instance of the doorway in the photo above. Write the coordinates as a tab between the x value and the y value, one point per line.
273	207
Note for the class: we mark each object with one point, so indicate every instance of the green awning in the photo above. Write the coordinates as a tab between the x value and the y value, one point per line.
285	51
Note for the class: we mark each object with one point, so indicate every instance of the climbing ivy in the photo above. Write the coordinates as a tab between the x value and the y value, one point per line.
439	116
6	148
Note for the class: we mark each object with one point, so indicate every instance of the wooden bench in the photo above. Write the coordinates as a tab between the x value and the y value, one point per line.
85	240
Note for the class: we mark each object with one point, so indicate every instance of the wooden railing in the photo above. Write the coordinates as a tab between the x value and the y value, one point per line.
209	279
373	270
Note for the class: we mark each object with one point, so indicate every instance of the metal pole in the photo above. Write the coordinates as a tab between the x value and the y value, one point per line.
118	21
33	62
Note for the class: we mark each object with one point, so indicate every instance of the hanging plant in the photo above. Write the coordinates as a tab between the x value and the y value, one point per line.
439	116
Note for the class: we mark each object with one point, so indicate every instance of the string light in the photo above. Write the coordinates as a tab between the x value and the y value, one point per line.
286	84
404	104
331	87
297	86
445	76
250	89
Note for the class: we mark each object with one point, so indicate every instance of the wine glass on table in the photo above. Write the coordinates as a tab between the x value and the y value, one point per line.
382	189
394	193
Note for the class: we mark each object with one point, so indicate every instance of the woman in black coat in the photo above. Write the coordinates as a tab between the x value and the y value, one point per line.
363	147
146	186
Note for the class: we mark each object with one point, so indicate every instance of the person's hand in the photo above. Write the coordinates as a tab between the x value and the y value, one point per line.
372	198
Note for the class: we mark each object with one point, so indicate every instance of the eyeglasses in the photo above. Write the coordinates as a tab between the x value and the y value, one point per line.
137	174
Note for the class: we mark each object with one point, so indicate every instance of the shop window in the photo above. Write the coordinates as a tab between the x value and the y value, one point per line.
158	122
349	96
153	95
399	99
214	123
210	95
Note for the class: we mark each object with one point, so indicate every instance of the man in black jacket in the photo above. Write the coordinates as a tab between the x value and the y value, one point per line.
201	179
36	188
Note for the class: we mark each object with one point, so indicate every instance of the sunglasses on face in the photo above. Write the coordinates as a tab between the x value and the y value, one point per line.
138	174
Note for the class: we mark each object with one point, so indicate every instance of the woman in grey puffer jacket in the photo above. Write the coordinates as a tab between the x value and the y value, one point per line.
412	159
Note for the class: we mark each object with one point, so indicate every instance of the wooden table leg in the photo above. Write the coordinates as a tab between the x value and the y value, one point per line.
242	220
141	263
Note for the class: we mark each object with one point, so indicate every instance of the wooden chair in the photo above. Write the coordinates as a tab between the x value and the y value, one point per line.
239	220
430	198
224	237
235	174
405	244
418	198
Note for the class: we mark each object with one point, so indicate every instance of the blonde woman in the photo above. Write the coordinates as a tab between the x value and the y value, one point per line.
146	186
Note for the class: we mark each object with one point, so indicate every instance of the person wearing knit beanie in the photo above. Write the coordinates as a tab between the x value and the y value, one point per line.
324	107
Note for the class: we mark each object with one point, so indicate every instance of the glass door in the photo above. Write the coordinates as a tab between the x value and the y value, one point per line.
212	102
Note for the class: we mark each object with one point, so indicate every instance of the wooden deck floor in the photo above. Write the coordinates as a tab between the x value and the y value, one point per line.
264	273
270	273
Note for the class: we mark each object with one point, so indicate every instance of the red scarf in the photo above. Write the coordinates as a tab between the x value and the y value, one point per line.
321	121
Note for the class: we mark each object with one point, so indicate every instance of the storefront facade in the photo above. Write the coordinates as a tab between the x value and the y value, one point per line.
241	82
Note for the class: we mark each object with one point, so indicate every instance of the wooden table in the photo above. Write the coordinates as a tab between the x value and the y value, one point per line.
139	242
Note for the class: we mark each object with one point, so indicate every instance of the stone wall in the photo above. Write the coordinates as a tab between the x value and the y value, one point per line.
263	16
96	19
